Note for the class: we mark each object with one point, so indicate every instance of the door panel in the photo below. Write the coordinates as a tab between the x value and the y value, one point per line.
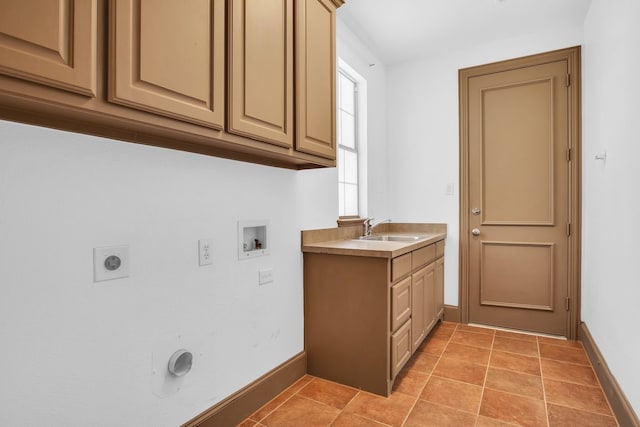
261	70
418	314
57	48
517	157
168	58
519	182
518	275
316	74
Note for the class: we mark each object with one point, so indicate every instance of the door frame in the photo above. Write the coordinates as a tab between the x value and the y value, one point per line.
573	57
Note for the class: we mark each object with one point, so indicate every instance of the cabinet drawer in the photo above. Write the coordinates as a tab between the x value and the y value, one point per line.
423	256
400	348
400	303
439	248
400	266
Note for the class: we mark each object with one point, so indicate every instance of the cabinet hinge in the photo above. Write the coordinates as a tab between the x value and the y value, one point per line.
567	80
568	230
567	303
568	154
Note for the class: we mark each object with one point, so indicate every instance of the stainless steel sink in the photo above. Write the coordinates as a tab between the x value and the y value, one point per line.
390	238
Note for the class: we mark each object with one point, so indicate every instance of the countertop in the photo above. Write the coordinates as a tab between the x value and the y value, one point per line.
345	242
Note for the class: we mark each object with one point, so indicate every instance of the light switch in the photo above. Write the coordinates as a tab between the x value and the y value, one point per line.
265	276
448	191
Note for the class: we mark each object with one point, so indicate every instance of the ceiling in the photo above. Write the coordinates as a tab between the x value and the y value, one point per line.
403	30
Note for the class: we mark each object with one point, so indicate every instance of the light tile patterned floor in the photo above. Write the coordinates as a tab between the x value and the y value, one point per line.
461	376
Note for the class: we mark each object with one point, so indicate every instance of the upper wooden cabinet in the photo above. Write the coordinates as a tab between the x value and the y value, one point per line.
316	77
252	80
261	70
51	42
167	57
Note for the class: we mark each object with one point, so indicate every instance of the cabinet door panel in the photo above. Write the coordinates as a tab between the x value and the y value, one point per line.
56	48
418	299
439	288
316	78
400	303
429	293
400	348
261	70
167	57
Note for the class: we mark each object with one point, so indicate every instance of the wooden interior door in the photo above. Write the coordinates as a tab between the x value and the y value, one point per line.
518	199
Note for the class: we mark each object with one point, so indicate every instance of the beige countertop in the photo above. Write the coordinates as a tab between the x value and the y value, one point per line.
344	240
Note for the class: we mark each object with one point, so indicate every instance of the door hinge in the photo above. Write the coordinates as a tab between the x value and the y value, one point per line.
568	154
567	80
568	229
567	303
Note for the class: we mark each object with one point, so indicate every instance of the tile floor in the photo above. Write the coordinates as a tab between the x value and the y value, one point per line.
461	376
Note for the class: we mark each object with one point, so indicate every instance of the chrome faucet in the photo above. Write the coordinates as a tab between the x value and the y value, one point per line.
369	227
366	225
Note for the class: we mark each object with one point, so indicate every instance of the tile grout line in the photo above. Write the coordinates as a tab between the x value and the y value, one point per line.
484	383
544	392
406	418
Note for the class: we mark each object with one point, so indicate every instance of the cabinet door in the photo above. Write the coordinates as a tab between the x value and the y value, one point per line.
261	70
50	42
400	348
429	293
418	298
167	57
315	78
400	303
439	288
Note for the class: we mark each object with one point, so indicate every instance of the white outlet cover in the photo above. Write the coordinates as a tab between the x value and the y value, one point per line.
110	262
205	252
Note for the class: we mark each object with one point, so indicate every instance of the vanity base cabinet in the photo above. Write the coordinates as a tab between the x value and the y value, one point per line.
347	317
365	316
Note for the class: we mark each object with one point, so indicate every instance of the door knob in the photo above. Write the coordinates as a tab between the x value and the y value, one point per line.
475	211
475	232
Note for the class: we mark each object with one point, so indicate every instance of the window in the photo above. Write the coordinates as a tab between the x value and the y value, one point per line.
348	144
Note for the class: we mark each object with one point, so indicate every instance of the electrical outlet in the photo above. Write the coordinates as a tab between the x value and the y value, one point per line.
205	249
110	262
265	276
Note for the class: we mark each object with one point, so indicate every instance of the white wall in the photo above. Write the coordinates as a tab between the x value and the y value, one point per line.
423	132
79	353
611	208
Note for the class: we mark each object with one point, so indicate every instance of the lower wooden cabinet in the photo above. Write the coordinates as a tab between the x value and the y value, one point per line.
365	316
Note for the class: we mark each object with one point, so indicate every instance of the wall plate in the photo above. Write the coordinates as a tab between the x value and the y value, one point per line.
110	262
205	255
253	239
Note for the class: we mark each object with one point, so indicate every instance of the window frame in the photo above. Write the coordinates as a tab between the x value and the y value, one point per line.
356	142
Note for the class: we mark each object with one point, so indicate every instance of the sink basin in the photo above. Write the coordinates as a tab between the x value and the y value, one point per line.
390	238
